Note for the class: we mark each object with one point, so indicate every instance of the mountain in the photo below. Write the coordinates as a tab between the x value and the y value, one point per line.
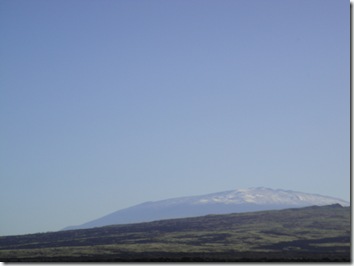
233	201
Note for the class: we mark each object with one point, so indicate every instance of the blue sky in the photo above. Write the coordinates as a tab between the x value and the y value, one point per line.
107	104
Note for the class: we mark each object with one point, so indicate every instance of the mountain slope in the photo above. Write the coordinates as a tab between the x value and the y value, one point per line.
298	234
234	201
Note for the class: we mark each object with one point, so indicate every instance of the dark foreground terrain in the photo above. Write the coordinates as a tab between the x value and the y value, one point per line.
307	234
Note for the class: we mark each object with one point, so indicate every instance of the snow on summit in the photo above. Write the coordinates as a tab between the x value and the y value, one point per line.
263	195
258	196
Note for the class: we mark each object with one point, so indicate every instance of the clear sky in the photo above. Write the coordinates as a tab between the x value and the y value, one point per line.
108	104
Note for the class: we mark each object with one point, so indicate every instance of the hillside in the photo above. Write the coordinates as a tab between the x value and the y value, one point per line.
301	234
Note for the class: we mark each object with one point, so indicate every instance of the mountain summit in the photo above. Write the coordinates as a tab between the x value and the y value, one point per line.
233	201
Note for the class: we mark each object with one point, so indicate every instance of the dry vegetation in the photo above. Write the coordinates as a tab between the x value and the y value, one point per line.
306	234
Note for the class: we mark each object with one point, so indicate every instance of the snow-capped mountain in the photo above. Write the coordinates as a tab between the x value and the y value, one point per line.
239	200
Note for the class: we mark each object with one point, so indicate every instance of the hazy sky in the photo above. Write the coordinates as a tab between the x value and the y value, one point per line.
107	104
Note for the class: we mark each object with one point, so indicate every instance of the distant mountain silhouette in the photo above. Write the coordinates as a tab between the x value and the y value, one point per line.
234	201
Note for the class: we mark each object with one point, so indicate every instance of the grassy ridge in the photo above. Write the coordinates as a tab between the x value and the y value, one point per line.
308	234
